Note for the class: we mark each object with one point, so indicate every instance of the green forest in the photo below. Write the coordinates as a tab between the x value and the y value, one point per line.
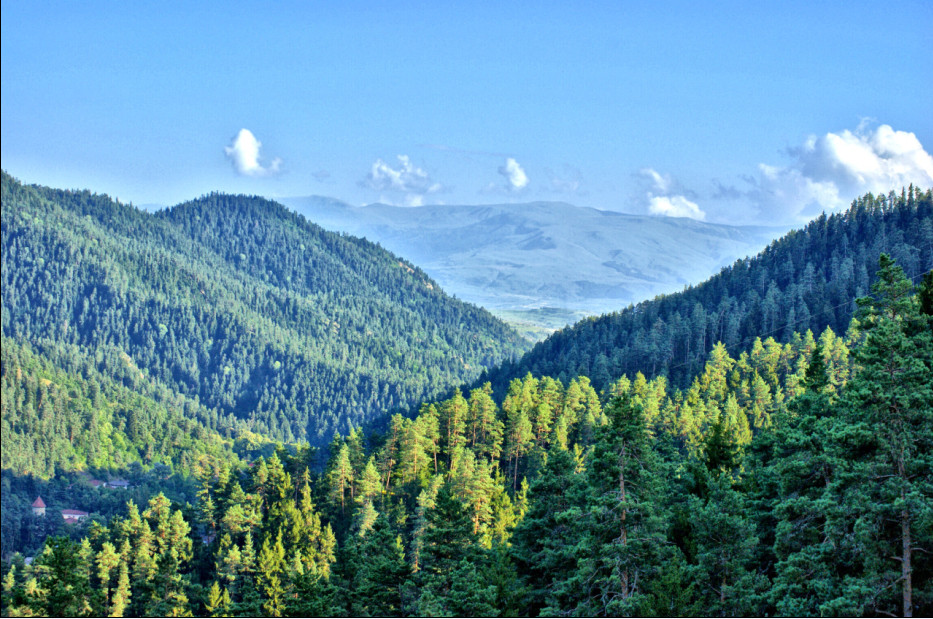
269	323
759	444
808	279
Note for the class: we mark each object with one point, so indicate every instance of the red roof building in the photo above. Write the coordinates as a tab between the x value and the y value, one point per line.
73	515
38	507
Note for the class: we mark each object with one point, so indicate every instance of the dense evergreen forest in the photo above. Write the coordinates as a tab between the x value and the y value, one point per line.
808	279
792	480
239	305
779	466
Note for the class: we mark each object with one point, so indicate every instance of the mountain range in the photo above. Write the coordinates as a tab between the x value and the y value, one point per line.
806	280
272	324
198	353
546	263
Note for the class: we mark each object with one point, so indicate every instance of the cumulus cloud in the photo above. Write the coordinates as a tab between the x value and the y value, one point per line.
407	180
515	176
243	153
675	206
827	172
662	195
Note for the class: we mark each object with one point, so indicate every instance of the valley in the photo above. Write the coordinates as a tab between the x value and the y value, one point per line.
223	409
545	264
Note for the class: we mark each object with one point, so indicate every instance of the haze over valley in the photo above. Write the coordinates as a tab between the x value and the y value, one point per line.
545	263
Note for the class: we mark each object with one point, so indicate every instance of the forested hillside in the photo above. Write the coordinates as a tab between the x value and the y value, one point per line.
62	411
793	480
239	305
808	279
771	472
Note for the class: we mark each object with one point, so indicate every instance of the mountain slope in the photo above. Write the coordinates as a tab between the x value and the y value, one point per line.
808	279
240	304
545	254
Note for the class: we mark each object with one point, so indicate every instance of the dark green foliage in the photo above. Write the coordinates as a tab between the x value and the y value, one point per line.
240	304
793	479
807	280
542	545
378	572
885	440
619	536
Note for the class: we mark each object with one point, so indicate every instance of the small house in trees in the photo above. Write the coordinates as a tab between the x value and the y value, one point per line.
73	515
38	507
119	483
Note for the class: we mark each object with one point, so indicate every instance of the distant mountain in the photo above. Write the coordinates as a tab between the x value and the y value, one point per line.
239	305
524	257
808	279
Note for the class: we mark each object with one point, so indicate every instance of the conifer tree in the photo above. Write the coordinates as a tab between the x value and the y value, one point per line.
886	490
542	546
621	534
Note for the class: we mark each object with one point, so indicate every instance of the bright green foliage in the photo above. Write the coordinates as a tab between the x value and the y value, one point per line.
63	408
62	587
788	478
218	604
341	478
519	432
271	579
485	428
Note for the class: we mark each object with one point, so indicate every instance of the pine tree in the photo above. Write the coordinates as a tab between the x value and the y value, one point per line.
341	478
63	589
620	536
379	579
542	546
218	602
725	551
271	576
886	490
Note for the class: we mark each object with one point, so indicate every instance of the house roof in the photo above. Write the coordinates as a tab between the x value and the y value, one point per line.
73	512
38	502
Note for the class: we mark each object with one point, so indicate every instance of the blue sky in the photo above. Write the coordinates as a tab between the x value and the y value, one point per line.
740	112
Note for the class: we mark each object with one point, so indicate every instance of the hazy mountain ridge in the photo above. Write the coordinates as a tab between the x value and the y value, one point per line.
545	254
807	279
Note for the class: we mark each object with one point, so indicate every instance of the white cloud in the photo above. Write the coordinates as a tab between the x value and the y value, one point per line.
515	176
675	206
664	196
243	152
829	171
407	179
